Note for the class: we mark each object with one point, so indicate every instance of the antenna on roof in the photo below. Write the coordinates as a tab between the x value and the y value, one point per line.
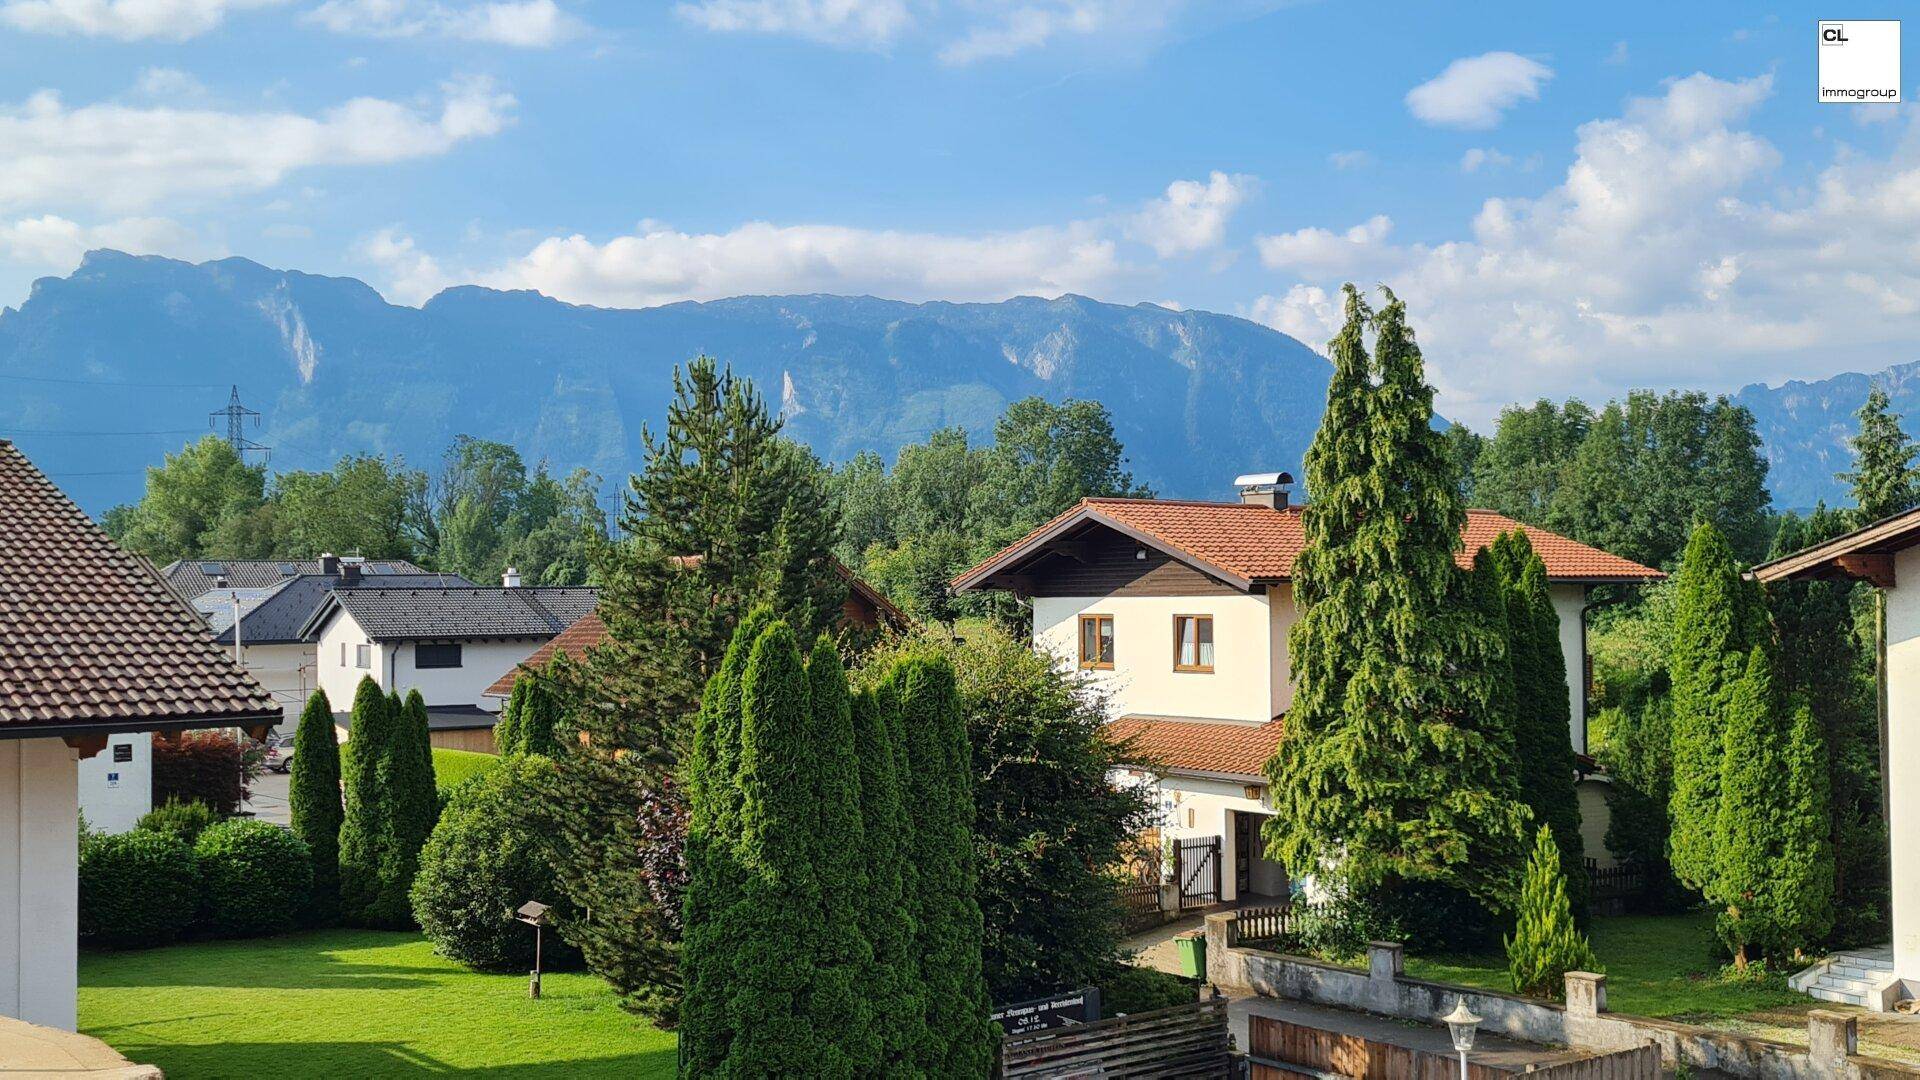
237	415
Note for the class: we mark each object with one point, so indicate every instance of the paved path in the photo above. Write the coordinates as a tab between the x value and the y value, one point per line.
269	799
1155	948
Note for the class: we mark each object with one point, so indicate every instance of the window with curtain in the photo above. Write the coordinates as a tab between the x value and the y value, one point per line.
1193	643
1096	641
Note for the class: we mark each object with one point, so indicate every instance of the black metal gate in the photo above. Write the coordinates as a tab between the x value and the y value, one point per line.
1196	867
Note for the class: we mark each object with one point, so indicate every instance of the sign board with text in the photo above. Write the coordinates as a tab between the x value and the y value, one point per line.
1059	1010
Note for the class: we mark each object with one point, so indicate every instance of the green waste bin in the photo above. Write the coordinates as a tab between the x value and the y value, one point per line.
1193	954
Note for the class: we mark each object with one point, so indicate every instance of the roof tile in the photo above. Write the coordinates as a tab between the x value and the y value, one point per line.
1197	745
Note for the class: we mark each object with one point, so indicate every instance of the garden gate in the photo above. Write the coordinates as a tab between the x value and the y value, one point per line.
1196	867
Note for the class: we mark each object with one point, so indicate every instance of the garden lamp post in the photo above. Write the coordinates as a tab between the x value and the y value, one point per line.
1461	1024
534	914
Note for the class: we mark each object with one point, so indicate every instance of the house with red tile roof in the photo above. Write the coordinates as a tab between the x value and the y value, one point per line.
93	646
1178	612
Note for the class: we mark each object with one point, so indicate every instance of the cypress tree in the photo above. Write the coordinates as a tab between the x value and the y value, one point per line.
839	841
886	921
1392	766
1717	621
313	796
1543	718
782	949
1546	944
540	718
909	1032
714	877
405	777
506	731
957	1040
365	830
1749	818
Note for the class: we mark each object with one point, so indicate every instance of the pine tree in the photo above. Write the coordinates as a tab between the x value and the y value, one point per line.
1717	622
839	840
1884	480
313	797
1546	944
366	828
1392	766
506	731
1543	717
885	918
956	1040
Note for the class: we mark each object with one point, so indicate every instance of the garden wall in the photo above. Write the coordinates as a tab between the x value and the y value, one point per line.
1583	1023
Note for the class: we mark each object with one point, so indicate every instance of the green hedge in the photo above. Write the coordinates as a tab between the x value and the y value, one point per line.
255	878
451	768
1139	989
137	888
184	818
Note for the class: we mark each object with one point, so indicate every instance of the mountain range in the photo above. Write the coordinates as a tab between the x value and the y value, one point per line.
106	369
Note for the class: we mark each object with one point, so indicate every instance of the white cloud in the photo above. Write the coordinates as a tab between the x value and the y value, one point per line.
123	158
1474	91
412	275
54	243
1192	216
659	265
1350	159
1477	158
1318	251
125	20
1618	54
1026	26
1307	313
1667	255
169	83
860	23
527	24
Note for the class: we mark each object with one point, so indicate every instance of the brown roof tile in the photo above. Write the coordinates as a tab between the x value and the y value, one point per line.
1197	745
586	632
1259	543
90	636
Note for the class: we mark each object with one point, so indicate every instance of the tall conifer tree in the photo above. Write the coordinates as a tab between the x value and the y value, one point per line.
313	798
839	858
1392	767
406	779
886	919
507	732
366	828
1717	621
1884	481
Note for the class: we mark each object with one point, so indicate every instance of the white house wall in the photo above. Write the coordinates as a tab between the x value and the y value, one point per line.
1143	681
1568	603
481	662
1192	807
341	678
288	671
114	795
1903	761
39	882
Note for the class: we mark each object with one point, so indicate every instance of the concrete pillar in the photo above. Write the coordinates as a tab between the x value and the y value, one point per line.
1221	968
1384	965
39	881
1831	1036
1586	993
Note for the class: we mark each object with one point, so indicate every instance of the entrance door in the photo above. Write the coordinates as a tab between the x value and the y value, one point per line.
1246	833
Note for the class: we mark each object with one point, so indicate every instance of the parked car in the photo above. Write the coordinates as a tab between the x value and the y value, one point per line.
279	753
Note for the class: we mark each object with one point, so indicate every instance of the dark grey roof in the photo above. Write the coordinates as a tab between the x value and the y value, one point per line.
278	617
389	614
439	718
191	577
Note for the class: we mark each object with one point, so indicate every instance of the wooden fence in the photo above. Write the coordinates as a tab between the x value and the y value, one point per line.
1283	1050
1615	888
1275	928
1186	1040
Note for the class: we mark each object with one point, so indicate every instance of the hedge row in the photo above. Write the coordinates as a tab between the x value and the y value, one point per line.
238	878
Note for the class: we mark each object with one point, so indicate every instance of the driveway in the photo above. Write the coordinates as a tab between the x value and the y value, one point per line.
269	799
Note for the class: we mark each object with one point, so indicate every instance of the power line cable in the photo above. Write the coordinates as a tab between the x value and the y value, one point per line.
97	382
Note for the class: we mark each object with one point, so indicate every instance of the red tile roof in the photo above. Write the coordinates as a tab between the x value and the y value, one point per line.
586	632
1259	544
92	639
1197	745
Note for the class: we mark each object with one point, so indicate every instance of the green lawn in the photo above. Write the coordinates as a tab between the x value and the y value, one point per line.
450	767
1656	965
351	1003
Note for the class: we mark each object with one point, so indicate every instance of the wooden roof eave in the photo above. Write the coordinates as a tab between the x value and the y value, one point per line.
1866	554
1002	570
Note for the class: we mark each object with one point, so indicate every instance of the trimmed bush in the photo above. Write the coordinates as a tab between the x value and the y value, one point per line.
452	768
207	766
1138	989
255	878
137	889
482	862
184	819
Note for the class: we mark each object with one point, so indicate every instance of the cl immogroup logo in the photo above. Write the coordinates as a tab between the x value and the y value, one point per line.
1860	61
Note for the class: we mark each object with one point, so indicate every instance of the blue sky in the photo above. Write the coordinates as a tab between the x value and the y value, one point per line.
1574	200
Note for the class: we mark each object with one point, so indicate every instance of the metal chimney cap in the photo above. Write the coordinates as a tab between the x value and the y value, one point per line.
1262	479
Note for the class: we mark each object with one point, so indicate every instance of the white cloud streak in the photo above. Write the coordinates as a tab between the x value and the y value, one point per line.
1191	216
124	20
1476	91
526	24
854	23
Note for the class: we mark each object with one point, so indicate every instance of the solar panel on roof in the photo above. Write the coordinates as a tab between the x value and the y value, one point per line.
210	568
287	569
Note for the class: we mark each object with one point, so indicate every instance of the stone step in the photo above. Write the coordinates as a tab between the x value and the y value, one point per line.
1849	971
1837	982
1840	996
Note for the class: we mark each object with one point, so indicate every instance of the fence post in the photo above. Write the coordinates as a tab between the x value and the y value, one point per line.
1223	969
1831	1036
1384	965
1586	993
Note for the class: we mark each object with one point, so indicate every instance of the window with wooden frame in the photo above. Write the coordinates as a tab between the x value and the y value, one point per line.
1096	641
1193	643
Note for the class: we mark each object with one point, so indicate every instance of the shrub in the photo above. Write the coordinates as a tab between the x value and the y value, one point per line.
207	766
184	819
1545	944
137	888
313	795
451	768
255	878
1139	989
482	862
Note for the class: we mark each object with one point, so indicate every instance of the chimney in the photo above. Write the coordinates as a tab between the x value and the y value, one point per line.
350	573
510	579
1267	489
329	563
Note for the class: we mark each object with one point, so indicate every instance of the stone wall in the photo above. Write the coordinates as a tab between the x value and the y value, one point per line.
1584	1022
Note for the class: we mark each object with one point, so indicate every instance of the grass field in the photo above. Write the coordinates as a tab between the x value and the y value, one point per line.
350	1003
1657	966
